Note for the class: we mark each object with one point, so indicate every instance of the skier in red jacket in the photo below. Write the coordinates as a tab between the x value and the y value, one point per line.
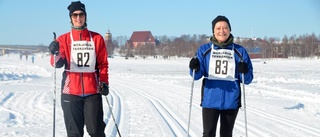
84	56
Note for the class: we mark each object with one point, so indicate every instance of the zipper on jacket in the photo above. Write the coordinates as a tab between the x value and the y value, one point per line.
81	74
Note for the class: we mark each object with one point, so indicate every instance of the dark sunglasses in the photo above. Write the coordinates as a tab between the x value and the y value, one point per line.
75	15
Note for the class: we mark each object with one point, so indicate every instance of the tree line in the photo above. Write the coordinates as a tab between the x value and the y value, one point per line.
307	45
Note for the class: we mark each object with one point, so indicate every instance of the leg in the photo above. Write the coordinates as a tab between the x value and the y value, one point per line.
227	120
209	118
72	107
93	113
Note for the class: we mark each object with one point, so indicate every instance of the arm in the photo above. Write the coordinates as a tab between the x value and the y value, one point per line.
201	58
248	77
102	59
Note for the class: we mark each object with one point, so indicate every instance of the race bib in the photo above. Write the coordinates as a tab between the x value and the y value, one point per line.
222	65
83	56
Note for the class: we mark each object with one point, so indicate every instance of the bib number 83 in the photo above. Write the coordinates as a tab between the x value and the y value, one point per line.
83	59
221	67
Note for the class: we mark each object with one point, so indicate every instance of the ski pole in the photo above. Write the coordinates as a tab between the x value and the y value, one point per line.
244	93
190	105
54	89
113	117
244	104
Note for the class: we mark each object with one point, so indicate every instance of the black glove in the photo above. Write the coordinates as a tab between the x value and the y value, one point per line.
54	47
243	67
194	64
104	89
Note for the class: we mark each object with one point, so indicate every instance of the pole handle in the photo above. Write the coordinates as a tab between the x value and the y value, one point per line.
54	36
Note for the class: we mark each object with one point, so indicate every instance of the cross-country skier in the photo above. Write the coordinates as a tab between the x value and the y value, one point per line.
84	56
221	62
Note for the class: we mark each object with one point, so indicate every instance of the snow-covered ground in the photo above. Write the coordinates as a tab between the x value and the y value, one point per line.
150	98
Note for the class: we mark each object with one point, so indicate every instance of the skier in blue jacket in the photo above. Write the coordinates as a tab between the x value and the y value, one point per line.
221	64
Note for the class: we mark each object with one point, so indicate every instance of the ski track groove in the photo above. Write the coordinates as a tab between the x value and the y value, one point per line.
280	92
195	105
117	109
177	126
143	101
23	108
174	122
194	102
252	131
4	100
281	120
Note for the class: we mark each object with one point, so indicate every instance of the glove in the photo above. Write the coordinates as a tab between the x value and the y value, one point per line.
243	67
194	64
54	47
104	89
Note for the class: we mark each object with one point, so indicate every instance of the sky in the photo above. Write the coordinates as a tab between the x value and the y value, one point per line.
32	22
151	97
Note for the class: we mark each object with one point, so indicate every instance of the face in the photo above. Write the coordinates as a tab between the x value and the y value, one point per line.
221	31
78	18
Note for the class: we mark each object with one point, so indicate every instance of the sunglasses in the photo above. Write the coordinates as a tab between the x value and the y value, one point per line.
75	15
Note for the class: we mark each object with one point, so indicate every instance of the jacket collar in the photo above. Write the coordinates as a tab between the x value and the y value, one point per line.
80	34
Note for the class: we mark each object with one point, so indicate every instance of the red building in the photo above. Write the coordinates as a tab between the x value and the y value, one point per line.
140	38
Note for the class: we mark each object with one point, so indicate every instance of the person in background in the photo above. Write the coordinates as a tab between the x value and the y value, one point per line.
84	56
32	58
222	63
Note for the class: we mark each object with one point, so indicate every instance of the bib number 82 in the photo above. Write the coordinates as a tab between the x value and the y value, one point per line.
83	59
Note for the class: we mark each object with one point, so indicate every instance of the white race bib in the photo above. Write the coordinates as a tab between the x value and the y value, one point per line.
83	56
222	65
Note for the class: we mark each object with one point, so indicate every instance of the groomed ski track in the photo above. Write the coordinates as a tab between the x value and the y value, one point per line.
176	126
145	103
156	110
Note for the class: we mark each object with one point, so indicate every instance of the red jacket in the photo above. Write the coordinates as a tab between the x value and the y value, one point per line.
77	83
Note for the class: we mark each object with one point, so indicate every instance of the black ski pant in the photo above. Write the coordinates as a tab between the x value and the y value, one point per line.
80	111
210	119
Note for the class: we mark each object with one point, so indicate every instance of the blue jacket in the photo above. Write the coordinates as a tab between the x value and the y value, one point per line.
221	94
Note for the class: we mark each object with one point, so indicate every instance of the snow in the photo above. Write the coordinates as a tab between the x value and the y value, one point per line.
150	98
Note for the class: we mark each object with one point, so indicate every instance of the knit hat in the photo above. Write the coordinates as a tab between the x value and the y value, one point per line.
77	5
220	18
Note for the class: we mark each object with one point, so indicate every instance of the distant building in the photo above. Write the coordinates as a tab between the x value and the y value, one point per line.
258	48
255	52
110	46
140	38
